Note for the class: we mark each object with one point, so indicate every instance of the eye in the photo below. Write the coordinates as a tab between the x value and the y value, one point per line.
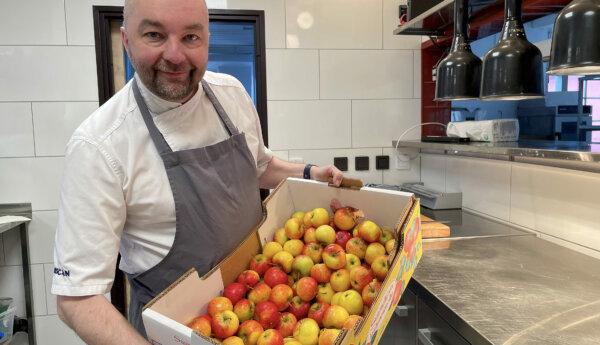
153	35
191	38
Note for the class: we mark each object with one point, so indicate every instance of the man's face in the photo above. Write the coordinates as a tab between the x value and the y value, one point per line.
167	41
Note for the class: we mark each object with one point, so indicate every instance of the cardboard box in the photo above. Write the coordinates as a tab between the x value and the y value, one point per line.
165	316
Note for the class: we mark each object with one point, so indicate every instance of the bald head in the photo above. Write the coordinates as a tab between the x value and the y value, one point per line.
167	42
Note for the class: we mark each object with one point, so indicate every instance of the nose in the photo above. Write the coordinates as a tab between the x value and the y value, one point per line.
173	52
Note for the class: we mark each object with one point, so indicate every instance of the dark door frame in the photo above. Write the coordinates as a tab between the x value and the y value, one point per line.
104	15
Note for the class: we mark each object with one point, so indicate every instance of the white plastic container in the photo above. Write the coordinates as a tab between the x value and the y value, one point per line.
6	325
488	130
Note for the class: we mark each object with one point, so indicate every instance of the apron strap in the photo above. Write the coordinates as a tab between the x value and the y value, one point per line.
222	113
159	140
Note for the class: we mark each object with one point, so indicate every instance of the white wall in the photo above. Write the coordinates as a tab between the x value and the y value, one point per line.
560	205
343	86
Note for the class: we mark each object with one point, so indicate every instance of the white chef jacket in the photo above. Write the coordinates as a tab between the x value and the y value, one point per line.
115	194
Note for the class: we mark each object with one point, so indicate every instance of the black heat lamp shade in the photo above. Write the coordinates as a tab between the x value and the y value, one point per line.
512	70
576	39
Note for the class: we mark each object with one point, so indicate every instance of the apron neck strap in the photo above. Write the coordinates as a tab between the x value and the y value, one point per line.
159	140
219	108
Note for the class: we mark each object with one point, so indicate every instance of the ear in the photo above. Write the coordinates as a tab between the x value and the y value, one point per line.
125	40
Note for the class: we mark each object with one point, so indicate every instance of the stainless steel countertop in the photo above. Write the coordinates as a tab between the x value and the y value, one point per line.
565	154
514	290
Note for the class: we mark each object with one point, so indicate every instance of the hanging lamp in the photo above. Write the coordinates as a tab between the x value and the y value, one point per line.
459	73
512	70
576	39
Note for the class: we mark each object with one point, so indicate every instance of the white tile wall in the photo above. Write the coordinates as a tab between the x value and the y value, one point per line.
281	155
50	298
80	23
398	177
11	285
274	17
433	171
309	124
38	286
12	248
292	74
32	22
34	180
397	114
391	21
366	74
49	330
41	236
65	74
325	157
55	122
557	202
483	184
417	73
334	24
16	132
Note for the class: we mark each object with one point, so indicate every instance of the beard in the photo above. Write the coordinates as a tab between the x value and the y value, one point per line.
173	90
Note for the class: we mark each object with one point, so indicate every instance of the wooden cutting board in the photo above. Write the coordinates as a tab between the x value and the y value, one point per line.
433	229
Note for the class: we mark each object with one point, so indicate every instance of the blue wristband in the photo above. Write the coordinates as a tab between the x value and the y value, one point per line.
306	174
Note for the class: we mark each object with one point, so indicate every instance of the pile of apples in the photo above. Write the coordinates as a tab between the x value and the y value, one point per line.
318	276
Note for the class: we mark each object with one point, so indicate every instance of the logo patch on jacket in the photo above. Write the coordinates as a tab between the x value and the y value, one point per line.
62	272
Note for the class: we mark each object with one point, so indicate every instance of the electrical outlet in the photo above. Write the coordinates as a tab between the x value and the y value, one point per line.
299	160
341	163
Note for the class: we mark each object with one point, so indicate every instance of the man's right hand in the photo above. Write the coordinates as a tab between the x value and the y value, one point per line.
97	321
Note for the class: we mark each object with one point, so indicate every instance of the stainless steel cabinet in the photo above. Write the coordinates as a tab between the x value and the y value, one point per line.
433	330
402	328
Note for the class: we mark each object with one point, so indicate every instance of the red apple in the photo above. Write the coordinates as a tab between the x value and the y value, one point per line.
321	273
249	278
317	311
287	323
325	235
270	337
340	280
306	288
301	266
267	314
260	264
344	219
313	251
370	291
201	325
281	295
249	331
334	256
235	292
374	250
294	229
275	276
328	336
225	324
342	237
320	216
360	276
244	309
369	231
299	308
356	246
309	235
259	293
219	304
380	267
335	316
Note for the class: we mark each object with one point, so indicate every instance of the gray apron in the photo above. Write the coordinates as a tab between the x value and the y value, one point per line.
217	203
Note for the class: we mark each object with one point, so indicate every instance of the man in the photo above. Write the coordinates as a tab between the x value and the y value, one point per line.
166	172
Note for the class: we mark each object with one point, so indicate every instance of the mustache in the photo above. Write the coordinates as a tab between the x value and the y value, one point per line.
165	66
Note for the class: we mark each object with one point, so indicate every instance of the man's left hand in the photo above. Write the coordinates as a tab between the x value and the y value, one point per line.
328	173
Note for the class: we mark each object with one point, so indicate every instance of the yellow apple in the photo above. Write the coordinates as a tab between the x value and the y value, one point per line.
336	298
307	332
328	336
340	280
284	260
352	301
280	236
386	235
374	250
271	248
298	215
294	228
325	293
335	316
320	216
294	247
325	234
389	246
306	220
351	261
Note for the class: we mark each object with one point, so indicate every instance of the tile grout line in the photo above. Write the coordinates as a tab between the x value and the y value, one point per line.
45	292
33	129
66	29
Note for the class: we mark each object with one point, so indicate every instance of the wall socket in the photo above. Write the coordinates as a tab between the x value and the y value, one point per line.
402	161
